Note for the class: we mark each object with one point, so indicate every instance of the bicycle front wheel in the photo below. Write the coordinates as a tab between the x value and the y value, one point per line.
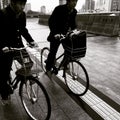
44	54
76	78
35	99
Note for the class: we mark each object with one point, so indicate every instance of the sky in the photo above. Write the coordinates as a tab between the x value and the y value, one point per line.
50	4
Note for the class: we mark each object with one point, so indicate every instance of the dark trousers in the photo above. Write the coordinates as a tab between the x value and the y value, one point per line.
6	64
54	45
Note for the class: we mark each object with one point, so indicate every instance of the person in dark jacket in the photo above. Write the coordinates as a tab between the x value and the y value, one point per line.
61	21
12	29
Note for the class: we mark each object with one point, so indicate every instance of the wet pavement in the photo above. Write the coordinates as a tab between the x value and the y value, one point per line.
102	62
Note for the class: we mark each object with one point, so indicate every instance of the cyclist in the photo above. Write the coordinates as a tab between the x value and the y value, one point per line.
12	29
60	22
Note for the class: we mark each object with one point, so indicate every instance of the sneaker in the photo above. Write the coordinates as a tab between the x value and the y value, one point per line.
6	100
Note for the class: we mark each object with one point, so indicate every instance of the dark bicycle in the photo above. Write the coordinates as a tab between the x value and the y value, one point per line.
34	96
74	72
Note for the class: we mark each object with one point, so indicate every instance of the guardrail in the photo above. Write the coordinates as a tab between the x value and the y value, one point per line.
93	23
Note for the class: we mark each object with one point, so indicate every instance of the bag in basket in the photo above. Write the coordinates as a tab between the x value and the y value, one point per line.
75	44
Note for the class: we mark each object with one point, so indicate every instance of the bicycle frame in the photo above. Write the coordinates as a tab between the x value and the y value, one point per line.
59	66
19	78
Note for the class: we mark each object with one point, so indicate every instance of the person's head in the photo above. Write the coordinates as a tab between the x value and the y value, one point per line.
18	5
71	4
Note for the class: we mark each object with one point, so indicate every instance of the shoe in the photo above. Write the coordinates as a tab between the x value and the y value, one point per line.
6	100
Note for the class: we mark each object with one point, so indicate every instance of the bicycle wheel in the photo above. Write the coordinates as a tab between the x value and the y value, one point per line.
76	78
35	99
44	55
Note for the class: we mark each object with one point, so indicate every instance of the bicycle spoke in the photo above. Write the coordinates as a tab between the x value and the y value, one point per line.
76	78
35	101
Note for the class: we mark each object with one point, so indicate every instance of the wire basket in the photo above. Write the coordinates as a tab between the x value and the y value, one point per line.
35	56
27	64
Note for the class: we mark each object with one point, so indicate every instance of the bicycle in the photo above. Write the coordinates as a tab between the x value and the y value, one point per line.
33	95
74	72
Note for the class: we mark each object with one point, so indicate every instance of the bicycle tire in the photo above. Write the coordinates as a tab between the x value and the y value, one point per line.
44	54
35	99
76	78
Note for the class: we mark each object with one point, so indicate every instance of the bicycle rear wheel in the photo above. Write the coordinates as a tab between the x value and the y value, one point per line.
44	54
35	99
76	78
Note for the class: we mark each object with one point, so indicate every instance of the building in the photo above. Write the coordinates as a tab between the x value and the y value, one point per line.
0	4
115	5
89	5
27	7
4	3
61	2
107	5
43	10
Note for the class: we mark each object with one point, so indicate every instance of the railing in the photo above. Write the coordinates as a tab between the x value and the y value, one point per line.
102	24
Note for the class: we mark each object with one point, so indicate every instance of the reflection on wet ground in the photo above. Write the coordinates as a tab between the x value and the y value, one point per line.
103	63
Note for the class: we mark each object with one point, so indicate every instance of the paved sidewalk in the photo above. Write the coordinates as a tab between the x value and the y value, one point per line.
102	62
63	106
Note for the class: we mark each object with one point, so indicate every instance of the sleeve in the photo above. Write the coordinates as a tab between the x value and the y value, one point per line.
52	22
2	29
24	31
74	23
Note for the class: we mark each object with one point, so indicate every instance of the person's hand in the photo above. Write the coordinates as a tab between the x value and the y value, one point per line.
33	44
5	49
57	36
75	30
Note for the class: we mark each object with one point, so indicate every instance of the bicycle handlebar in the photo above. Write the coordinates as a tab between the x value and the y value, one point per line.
62	37
17	49
12	49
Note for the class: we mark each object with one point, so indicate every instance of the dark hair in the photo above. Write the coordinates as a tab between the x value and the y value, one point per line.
68	0
18	0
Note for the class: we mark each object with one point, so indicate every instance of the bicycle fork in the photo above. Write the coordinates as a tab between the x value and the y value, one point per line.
31	93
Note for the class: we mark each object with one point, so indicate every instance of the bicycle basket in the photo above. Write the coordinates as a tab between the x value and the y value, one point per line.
22	63
75	45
